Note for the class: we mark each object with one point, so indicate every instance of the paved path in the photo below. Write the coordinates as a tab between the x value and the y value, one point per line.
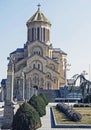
47	122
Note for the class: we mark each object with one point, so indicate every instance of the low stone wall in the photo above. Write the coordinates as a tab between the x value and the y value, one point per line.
51	94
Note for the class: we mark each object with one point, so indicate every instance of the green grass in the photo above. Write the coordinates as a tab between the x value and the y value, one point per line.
84	111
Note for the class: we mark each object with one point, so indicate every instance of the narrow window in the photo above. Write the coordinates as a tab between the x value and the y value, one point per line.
33	65
54	80
35	34
38	31
39	52
32	34
43	34
38	66
35	79
29	34
48	35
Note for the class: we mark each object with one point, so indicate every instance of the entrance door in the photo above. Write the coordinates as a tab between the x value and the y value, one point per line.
36	87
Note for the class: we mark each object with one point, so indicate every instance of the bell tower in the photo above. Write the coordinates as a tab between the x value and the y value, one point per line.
38	27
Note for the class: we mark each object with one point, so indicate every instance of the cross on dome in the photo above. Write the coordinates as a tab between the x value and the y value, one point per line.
38	6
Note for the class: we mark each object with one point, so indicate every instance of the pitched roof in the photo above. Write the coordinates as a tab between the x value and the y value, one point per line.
18	50
38	16
59	50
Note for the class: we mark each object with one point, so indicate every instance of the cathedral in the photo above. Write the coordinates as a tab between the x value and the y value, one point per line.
38	65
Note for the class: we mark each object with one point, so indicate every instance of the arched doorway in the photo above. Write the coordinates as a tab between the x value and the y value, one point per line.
48	85
36	87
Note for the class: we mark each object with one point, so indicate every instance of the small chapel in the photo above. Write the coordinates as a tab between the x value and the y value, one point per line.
38	65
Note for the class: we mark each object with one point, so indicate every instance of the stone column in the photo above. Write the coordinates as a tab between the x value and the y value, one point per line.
23	91
23	88
12	86
29	87
9	109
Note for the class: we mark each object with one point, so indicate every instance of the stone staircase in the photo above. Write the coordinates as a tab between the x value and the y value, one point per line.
51	94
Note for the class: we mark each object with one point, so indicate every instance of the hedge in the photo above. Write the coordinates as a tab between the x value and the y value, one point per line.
69	112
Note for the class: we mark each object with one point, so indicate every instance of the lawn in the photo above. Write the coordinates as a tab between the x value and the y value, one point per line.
84	111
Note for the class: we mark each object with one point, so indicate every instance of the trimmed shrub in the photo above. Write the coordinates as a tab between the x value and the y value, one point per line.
69	112
44	97
76	105
26	118
79	105
87	105
38	103
82	105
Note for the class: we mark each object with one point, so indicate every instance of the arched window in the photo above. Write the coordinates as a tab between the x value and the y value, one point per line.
38	66
36	79
48	75
33	65
55	80
37	50
48	85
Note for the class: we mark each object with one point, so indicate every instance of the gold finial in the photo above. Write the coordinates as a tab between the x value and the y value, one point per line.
38	6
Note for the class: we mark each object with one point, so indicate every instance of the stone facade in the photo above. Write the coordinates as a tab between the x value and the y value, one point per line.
37	65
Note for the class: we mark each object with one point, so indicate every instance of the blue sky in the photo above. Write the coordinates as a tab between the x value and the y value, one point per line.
70	30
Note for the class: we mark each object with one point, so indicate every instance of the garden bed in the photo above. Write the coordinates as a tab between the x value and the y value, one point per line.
60	118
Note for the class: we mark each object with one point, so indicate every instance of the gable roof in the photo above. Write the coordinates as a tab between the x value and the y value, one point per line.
18	50
59	50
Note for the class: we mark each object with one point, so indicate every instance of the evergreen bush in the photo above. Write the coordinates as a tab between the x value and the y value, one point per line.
26	118
38	103
44	97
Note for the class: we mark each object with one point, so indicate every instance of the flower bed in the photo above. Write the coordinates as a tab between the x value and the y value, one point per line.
69	112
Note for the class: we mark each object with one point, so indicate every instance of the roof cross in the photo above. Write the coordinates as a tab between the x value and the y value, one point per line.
38	6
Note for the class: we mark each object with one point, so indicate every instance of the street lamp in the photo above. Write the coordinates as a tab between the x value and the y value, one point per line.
66	68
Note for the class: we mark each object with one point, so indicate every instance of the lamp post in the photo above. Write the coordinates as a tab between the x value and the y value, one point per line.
84	88
66	65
